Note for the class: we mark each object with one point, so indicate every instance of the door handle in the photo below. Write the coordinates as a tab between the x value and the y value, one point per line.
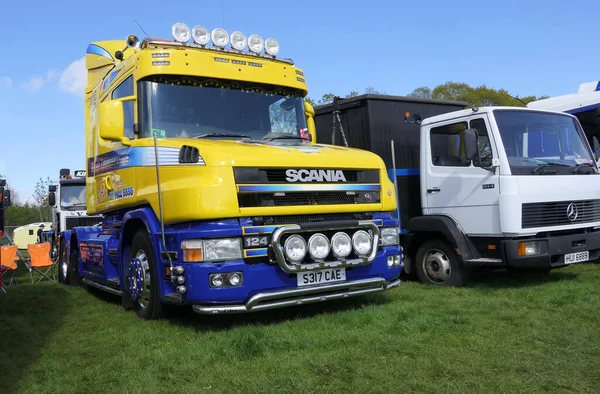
433	190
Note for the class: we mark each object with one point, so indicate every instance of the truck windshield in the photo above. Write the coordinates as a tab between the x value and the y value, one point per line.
72	197
198	108
537	139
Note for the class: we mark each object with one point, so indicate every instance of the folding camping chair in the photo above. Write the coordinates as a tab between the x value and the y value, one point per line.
40	261
8	260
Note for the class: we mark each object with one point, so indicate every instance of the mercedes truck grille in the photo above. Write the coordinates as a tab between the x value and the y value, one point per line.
557	213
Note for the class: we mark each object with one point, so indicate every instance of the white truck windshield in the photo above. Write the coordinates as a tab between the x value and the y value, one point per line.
72	197
533	139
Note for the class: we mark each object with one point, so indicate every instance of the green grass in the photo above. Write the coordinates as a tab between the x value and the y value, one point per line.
505	333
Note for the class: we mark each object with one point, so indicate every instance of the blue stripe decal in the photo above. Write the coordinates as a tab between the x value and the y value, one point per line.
256	252
404	172
598	87
583	109
306	188
133	157
270	229
96	50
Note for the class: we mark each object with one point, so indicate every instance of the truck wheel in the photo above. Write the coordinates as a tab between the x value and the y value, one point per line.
63	265
73	269
142	279
437	264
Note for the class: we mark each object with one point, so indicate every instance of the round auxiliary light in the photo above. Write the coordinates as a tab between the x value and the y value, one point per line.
180	280
271	46
295	248
256	43
234	279
219	37
318	246
200	35
217	280
361	241
341	244
238	40
181	32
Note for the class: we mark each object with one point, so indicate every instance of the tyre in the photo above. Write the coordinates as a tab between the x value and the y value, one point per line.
73	268
141	278
63	265
436	264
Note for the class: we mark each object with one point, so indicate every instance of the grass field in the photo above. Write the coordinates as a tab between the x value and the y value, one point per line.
504	333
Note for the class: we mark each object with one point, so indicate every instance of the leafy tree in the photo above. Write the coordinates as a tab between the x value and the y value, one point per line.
40	197
479	96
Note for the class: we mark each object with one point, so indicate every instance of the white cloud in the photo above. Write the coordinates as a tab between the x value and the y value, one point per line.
34	84
74	78
5	82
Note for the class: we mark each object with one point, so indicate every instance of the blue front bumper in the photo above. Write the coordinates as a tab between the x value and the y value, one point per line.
267	286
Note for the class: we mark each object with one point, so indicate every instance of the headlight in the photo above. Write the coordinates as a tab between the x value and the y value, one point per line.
222	249
256	43
341	244
390	236
361	241
272	46
238	40
295	248
181	32
318	246
200	35
219	37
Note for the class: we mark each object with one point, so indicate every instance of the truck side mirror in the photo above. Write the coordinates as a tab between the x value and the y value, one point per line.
6	198
471	144
309	112
112	122
51	199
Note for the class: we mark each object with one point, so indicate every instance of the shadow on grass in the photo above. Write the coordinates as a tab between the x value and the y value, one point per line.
513	279
185	316
29	316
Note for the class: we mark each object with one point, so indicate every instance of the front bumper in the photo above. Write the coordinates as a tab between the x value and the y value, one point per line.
553	250
301	296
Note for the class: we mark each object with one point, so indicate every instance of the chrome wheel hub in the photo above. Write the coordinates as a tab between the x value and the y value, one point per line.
139	279
437	266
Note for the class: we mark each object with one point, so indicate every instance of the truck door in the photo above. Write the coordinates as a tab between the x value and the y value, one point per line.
456	187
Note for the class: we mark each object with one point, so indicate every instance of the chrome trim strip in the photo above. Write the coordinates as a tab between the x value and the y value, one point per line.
302	295
278	249
102	287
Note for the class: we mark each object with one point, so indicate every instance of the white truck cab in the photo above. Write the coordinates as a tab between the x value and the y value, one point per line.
68	203
503	187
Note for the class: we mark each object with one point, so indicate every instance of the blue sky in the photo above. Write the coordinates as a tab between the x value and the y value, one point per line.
527	47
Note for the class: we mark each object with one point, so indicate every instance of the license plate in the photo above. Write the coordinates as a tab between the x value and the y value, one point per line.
578	257
323	276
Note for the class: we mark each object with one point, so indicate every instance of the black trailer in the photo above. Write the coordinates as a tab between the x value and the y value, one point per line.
371	122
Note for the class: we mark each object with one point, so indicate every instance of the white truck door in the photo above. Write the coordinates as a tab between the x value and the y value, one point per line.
456	187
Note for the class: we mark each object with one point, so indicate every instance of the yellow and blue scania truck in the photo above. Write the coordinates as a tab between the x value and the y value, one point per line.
202	160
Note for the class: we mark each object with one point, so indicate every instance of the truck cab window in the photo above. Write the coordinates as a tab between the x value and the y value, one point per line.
447	145
485	148
125	89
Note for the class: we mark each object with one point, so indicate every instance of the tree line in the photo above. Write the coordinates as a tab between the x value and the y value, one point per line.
454	91
36	209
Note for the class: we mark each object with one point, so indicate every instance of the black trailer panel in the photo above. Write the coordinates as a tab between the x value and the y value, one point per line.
370	122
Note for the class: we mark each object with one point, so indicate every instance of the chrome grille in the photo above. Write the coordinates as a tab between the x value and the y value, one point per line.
547	214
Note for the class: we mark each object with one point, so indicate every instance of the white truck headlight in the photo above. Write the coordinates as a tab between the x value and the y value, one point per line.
390	236
219	249
295	248
181	32
341	244
318	246
361	242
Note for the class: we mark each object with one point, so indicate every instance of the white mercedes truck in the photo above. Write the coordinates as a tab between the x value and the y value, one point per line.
498	187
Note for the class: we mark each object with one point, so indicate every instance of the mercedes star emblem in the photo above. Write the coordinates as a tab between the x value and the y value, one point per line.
572	212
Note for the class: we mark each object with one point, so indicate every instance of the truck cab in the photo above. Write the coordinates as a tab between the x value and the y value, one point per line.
503	187
68	204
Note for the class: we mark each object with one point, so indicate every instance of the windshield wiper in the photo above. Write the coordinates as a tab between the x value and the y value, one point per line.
583	165
543	165
285	137
221	135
